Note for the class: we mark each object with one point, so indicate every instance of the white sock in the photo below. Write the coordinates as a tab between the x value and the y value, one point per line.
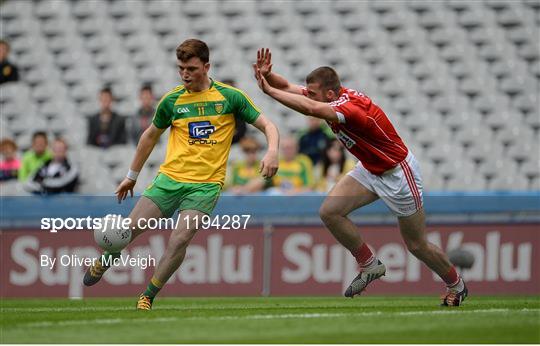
460	286
371	265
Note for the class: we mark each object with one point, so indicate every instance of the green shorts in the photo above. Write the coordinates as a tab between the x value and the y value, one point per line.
170	195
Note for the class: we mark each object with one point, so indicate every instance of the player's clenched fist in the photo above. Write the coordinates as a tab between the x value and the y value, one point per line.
269	164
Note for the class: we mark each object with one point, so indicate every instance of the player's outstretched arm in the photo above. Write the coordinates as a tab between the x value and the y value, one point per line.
298	103
264	65
270	161
146	144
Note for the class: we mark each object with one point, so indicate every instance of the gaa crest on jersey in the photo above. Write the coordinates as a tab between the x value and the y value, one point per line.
182	110
218	107
348	141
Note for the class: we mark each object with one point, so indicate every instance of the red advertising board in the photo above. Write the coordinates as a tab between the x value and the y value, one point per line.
301	261
307	260
217	263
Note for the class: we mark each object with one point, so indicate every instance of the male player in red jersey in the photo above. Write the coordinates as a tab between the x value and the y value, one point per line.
387	169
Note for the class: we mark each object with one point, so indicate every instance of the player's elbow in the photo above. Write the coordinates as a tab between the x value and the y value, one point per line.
321	111
310	110
270	127
145	137
151	134
314	110
264	125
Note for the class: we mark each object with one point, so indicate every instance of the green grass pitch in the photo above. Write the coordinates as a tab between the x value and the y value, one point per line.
272	320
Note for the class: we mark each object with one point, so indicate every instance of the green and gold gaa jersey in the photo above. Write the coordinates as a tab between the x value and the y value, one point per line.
242	173
202	127
297	173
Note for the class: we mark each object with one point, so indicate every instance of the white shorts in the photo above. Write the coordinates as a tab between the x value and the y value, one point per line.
400	187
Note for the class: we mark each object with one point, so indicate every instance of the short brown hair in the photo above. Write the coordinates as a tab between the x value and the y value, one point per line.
40	134
8	142
193	48
106	90
249	143
327	77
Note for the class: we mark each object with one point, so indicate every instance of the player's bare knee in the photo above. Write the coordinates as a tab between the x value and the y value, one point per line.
181	239
327	213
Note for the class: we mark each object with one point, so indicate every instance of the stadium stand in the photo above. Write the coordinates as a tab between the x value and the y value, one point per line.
459	79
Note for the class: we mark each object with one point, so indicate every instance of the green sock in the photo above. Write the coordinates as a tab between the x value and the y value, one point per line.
153	287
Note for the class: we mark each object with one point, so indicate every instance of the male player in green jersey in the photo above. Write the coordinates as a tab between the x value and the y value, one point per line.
201	115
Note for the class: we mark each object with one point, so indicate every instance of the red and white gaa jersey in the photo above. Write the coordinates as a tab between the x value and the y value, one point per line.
367	132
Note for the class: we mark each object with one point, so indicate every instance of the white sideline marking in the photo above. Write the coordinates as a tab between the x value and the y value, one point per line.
161	307
270	317
98	321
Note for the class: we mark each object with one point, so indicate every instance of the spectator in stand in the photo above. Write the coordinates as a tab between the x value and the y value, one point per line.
144	115
57	174
34	158
334	165
241	128
295	174
245	173
8	71
314	139
10	164
106	128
